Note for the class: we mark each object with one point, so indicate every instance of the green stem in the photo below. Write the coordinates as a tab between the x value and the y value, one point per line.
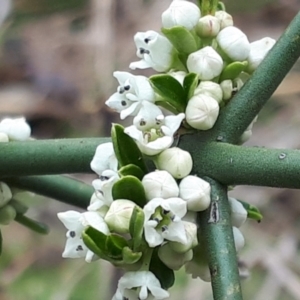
32	224
62	188
216	229
247	103
236	165
45	157
147	255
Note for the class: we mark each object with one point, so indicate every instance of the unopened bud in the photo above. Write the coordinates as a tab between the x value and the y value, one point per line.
238	212
119	214
160	184
210	88
208	26
176	161
224	18
202	112
5	194
7	214
196	192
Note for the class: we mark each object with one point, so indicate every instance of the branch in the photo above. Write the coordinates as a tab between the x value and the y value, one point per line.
216	229
44	157
247	103
61	188
237	165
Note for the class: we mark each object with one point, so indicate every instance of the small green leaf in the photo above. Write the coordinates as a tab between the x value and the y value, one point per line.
36	226
130	188
170	91
132	170
183	40
190	83
233	70
167	106
95	241
130	257
164	274
136	227
126	150
114	245
253	211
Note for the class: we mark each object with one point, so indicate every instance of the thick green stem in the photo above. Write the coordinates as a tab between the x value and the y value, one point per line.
247	103
236	165
62	188
45	157
215	226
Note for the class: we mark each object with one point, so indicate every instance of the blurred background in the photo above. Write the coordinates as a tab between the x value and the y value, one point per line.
56	64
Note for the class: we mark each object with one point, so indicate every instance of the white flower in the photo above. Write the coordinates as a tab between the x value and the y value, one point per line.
202	112
76	223
133	90
176	161
154	50
196	192
234	43
155	140
160	184
206	62
173	259
99	205
103	190
181	13
224	18
139	285
258	50
208	26
238	212
163	221
149	116
16	129
104	159
210	88
119	214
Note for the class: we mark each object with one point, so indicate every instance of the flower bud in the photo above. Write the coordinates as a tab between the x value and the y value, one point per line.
160	184
239	239
3	137
206	62
7	214
208	26
196	192
234	43
16	129
181	13
211	89
192	241
258	50
172	259
5	194
238	212
224	18
119	214
202	112
176	161
227	88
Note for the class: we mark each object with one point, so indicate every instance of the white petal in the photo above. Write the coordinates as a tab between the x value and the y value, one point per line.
118	102
122	77
104	159
156	146
174	122
93	219
70	219
132	110
176	232
75	248
141	64
177	206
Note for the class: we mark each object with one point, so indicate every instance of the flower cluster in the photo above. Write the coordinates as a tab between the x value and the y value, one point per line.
142	214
